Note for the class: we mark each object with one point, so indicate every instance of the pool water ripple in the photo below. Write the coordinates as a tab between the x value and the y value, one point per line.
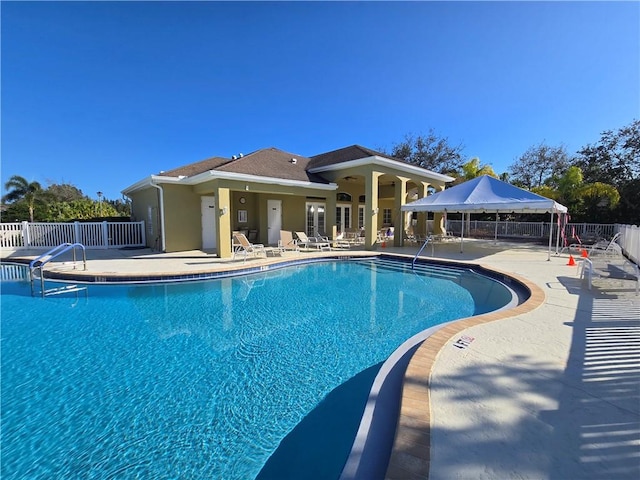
197	380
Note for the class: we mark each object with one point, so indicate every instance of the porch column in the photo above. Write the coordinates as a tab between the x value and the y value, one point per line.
223	216
400	198
330	216
371	209
421	224
438	219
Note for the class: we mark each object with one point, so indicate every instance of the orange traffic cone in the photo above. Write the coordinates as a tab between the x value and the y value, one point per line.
571	262
584	253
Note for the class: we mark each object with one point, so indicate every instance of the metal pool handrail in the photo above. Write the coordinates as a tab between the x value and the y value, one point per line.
413	262
42	260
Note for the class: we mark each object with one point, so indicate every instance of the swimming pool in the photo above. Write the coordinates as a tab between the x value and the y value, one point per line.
206	379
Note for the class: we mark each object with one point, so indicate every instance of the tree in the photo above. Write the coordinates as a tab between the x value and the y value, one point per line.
615	160
122	208
539	164
21	190
598	200
64	192
429	151
82	209
472	169
591	202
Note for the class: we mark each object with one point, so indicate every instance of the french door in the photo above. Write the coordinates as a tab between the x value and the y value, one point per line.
343	217
315	217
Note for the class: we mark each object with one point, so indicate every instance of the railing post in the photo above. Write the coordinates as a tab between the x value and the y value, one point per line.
76	233
105	235
26	238
143	232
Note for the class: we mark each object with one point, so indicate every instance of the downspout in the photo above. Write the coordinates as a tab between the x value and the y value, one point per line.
162	237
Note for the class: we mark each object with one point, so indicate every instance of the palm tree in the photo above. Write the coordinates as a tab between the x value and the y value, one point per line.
19	189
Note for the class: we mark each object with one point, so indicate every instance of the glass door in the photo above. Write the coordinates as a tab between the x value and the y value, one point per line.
315	218
343	218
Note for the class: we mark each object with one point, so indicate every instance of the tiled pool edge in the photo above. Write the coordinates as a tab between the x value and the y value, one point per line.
263	265
410	456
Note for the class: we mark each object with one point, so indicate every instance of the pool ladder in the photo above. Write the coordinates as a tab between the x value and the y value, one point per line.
37	264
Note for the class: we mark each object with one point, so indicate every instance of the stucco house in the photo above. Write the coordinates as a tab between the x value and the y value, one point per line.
199	205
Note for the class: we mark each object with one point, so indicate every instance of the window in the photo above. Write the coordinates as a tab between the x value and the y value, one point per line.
343	197
386	216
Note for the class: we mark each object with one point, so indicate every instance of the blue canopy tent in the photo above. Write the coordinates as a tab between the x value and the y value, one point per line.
487	194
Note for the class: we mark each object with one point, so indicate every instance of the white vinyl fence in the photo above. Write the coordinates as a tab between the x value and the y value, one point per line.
587	232
97	235
630	242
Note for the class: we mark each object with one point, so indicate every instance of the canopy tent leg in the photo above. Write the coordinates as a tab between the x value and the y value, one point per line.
550	237
462	234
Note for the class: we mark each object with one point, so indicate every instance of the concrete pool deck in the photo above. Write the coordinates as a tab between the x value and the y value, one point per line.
548	393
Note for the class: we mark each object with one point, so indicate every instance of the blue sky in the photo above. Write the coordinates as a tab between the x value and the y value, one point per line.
103	94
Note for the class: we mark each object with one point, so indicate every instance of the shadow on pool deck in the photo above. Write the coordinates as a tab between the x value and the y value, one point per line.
602	381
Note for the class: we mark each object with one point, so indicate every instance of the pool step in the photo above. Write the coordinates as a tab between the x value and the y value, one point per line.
65	289
436	271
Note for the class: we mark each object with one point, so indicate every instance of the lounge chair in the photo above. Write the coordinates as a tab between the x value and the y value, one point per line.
242	246
307	242
339	242
604	247
287	242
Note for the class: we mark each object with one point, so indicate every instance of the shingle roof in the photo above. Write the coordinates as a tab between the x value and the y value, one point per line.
346	154
268	162
195	168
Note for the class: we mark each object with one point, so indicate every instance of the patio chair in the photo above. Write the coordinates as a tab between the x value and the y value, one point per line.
307	242
607	247
339	242
287	242
242	246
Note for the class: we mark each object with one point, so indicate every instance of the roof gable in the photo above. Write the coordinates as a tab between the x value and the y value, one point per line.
347	154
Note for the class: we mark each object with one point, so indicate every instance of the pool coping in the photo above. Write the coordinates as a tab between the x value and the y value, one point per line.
410	454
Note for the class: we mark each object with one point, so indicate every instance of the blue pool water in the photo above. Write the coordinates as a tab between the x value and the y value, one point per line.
204	379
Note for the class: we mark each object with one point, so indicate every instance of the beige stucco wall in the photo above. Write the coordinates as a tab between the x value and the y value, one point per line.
183	228
256	196
140	203
293	213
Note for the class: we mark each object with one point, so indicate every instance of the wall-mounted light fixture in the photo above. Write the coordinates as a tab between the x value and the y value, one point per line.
375	211
224	210
246	187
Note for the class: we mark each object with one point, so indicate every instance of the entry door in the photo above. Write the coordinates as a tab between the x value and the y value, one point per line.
274	221
208	217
